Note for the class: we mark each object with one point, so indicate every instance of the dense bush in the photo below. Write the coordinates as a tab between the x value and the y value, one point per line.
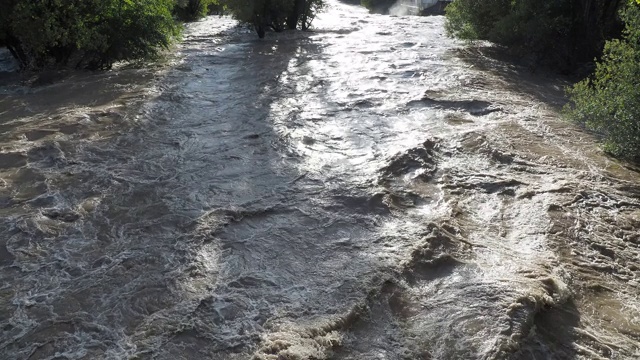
609	102
192	10
85	33
6	36
95	34
275	14
559	33
378	6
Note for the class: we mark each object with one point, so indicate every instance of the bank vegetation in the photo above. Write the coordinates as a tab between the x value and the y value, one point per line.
565	35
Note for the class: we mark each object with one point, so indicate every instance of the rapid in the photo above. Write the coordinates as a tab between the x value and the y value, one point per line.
371	189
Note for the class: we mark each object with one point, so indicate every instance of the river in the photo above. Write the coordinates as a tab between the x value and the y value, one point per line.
371	189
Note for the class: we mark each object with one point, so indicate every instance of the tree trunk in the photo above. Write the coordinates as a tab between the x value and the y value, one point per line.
296	13
15	48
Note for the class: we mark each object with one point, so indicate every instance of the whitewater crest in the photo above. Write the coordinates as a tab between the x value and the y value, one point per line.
371	189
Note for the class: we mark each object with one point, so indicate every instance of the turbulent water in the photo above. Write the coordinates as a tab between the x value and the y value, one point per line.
369	190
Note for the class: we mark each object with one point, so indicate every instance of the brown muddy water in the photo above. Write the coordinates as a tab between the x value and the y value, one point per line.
368	190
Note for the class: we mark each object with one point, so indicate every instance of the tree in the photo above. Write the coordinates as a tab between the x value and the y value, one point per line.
192	10
609	102
7	38
378	6
87	33
558	33
274	14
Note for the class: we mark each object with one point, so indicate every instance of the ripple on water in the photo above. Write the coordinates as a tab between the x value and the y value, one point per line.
364	190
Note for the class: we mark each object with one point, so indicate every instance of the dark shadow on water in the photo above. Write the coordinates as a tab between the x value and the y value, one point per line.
542	85
48	92
555	335
206	151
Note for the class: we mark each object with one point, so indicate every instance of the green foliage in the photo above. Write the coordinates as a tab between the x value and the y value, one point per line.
276	14
90	33
192	10
6	38
378	6
609	102
554	32
273	12
308	12
475	19
538	28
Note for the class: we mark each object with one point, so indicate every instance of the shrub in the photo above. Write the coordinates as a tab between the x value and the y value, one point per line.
378	6
275	14
7	39
192	10
475	19
307	12
609	102
88	33
556	32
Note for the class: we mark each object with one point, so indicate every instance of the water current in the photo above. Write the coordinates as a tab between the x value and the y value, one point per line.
371	189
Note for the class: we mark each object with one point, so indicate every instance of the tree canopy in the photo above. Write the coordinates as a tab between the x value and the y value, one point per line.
95	34
609	101
192	10
559	33
563	33
274	14
87	33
